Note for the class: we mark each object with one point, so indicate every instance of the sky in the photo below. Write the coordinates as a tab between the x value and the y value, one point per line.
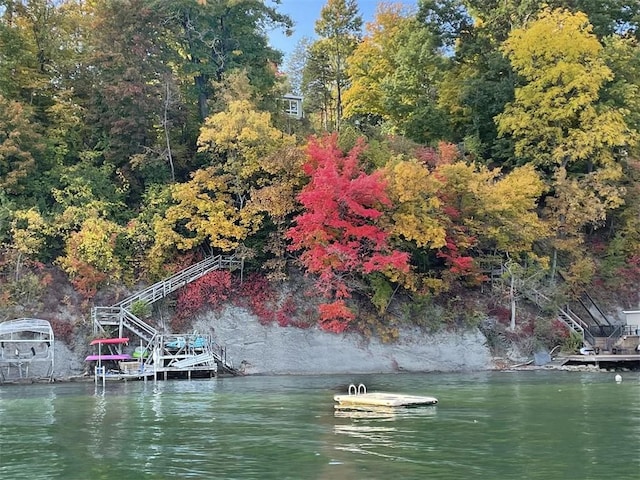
304	14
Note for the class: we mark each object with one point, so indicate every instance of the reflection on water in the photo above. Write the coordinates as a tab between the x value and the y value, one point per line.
384	413
23	424
550	425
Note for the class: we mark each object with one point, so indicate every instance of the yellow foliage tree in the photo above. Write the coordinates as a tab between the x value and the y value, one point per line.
416	214
90	257
555	118
248	155
499	211
371	62
242	139
204	209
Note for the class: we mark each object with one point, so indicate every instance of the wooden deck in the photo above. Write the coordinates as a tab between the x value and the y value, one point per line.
622	360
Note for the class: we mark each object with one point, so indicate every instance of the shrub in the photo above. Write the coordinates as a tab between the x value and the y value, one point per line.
63	330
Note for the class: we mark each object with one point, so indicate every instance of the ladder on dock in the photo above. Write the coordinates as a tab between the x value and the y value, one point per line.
119	315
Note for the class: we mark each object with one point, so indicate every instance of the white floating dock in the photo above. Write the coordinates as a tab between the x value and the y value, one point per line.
358	397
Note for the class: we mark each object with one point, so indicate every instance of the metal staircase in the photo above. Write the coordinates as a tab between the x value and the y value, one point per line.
120	315
565	315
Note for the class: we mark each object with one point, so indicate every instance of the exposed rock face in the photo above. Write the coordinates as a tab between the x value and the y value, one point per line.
272	350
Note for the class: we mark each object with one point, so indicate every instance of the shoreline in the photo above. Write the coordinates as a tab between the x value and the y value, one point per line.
87	378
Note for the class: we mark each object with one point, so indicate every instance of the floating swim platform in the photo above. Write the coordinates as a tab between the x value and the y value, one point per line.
358	397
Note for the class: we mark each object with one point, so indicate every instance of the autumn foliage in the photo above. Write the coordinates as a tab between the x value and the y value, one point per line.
337	231
495	132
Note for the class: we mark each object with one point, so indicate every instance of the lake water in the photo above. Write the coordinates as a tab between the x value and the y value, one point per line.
494	425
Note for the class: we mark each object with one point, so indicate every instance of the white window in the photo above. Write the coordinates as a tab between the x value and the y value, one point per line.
293	106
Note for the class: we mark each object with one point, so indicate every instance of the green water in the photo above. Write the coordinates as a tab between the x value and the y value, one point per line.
525	425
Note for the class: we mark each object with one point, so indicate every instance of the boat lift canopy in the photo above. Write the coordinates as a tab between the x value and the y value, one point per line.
25	343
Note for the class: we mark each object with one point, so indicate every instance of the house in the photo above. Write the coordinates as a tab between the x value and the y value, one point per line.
292	105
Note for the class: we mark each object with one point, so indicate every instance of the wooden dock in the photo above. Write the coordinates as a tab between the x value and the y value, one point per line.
623	360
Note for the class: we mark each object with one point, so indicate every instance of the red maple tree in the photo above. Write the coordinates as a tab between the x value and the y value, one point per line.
337	231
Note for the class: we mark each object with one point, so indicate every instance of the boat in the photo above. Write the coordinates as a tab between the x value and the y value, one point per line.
358	397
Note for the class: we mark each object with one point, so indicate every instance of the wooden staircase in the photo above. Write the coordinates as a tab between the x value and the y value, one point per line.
120	315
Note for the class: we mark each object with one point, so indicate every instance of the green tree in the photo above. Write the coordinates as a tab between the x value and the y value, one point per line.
339	28
316	86
212	38
394	75
125	68
30	45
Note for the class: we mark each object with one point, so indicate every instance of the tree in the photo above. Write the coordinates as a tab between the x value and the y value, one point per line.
239	139
338	232
20	144
489	213
212	38
276	200
394	75
126	71
519	279
339	30
579	202
317	81
555	118
415	215
559	123
262	166
295	65
30	38
90	257
203	212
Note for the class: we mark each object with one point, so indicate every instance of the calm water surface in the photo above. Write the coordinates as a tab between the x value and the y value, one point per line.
524	425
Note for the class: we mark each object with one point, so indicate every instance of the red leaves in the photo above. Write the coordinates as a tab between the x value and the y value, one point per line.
255	293
211	291
335	317
337	231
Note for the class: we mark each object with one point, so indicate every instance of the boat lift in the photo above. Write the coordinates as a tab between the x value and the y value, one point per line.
26	350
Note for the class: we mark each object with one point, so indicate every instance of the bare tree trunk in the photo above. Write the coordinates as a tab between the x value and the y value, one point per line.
554	265
512	298
165	125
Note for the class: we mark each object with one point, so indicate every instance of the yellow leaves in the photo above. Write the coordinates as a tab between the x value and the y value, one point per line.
555	37
94	244
511	205
28	230
416	215
373	61
243	137
499	210
203	211
555	118
581	201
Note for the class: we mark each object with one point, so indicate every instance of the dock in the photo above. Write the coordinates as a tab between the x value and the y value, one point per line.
624	360
359	398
